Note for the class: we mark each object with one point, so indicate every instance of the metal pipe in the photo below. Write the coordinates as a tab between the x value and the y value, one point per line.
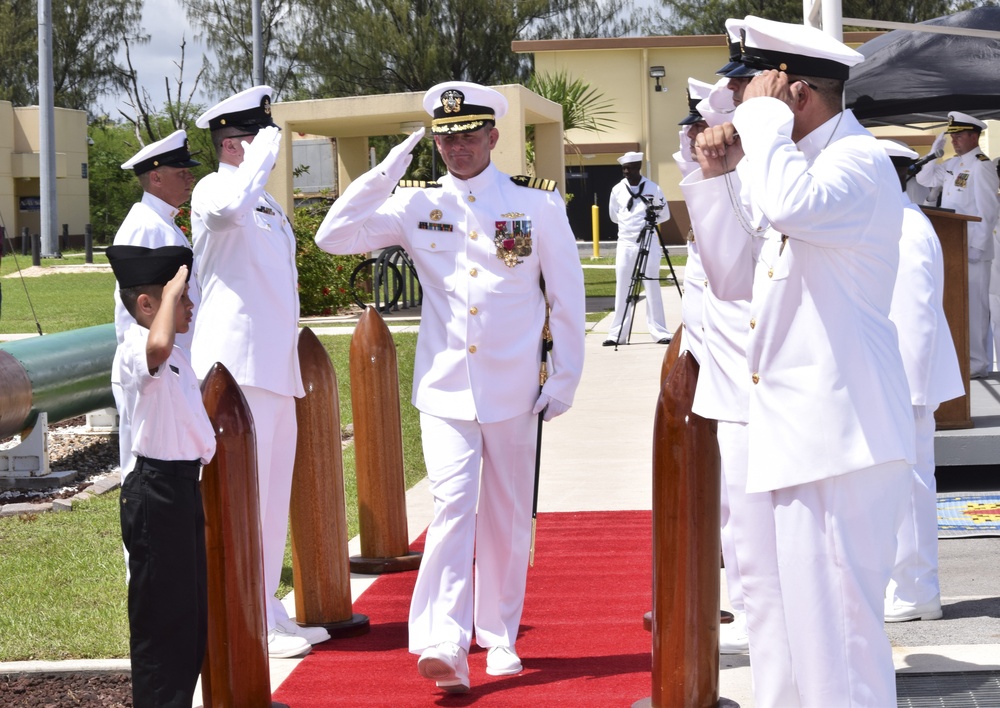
65	374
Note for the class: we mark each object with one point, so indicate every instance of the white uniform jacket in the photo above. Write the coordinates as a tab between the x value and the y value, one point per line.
480	334
150	223
925	341
969	185
168	417
244	250
632	220
828	395
693	339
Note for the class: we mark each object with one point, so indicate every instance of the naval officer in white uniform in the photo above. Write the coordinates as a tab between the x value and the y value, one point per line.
481	240
969	185
164	172
932	371
244	252
831	431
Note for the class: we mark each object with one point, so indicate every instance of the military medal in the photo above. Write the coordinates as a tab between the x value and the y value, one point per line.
513	240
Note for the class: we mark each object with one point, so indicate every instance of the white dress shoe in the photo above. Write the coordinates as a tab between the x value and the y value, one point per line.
502	661
733	637
447	664
282	645
904	613
313	635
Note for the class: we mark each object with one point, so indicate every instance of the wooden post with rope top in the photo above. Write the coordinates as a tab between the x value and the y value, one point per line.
320	565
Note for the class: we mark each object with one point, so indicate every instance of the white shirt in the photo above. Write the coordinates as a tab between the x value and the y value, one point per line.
828	395
479	345
150	223
925	342
969	185
244	250
168	417
631	220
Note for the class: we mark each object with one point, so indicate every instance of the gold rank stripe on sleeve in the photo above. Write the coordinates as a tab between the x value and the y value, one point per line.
417	184
548	185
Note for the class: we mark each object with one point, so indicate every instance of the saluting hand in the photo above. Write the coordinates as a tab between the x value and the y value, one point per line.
774	84
395	163
718	150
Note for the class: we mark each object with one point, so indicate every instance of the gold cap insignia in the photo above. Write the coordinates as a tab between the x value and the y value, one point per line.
451	100
266	105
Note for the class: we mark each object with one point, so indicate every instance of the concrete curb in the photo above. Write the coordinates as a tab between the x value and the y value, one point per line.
110	481
71	666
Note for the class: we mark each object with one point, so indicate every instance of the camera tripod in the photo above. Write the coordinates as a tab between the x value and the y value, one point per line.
639	273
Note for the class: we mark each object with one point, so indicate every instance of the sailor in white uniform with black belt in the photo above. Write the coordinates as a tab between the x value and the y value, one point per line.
481	240
244	253
807	228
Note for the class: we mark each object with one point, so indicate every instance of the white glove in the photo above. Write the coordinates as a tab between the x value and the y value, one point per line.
975	254
938	146
263	148
395	163
549	407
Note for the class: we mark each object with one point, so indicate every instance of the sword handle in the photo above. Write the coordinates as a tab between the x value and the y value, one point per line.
531	551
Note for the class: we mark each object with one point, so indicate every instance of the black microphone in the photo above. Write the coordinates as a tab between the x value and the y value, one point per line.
915	167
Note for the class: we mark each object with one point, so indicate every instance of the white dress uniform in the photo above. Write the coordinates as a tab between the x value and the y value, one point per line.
831	425
932	371
969	185
694	278
479	246
244	250
150	223
628	210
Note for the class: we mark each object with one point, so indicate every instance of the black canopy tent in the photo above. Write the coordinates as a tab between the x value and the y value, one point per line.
917	77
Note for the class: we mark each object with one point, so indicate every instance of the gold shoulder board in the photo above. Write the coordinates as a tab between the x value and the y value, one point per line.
982	158
548	185
417	183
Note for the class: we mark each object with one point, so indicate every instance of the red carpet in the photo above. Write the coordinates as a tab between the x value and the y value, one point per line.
581	641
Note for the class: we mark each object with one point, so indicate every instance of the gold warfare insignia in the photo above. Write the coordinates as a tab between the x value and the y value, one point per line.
436	215
266	105
451	100
513	240
512	215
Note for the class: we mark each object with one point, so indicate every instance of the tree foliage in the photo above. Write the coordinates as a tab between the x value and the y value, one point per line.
85	35
328	48
226	28
709	16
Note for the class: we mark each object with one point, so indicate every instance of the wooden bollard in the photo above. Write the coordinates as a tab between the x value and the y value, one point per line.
320	566
236	671
378	451
670	356
685	547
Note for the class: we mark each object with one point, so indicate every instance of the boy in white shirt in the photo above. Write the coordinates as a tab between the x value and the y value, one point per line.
162	519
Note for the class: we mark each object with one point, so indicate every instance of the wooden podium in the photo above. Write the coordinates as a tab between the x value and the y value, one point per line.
951	230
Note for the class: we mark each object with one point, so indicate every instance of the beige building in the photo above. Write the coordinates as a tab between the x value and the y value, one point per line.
20	188
648	109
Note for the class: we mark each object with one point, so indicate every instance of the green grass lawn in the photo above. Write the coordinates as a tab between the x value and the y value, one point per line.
62	576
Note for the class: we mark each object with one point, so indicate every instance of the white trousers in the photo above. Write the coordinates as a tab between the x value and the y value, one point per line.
980	353
732	439
626	254
995	327
817	634
276	430
470	464
915	575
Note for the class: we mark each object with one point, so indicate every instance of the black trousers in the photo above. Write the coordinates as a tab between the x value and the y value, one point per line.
163	527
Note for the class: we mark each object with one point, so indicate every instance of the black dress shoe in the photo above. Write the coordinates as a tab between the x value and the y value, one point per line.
609	343
665	340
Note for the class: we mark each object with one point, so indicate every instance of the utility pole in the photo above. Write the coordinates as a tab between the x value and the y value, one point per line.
258	45
46	133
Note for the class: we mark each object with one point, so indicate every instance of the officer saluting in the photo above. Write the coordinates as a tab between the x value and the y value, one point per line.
968	185
480	240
